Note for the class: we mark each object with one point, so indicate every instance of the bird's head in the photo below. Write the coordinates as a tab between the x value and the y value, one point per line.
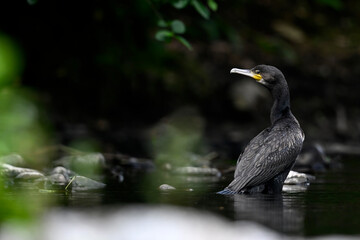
267	75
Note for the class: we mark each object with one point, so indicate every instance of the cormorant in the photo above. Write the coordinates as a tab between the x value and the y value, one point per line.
268	158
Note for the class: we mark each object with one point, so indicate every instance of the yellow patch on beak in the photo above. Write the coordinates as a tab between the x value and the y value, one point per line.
257	77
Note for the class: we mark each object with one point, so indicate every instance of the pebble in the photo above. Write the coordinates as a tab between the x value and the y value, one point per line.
166	187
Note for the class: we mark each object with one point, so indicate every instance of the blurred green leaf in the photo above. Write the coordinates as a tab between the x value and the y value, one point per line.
184	42
85	145
335	4
212	5
162	23
11	63
178	26
174	140
32	2
22	126
179	4
163	35
201	9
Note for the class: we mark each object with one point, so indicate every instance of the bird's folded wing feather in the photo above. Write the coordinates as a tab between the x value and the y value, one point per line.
268	154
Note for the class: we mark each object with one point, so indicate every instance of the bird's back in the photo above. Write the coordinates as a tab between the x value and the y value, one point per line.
269	154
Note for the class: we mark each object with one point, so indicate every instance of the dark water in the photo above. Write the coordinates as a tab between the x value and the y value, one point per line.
330	205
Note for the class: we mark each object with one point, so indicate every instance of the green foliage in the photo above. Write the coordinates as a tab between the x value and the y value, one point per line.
21	129
176	27
172	30
184	42
21	126
85	145
32	2
179	4
201	9
176	138
212	5
335	4
164	35
20	207
12	207
10	61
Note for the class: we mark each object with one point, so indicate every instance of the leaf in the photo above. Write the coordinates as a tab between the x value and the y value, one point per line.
184	42
162	23
335	4
212	5
178	26
201	9
32	2
163	35
179	4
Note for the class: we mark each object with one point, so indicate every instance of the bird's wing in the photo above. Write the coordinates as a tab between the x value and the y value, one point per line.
268	154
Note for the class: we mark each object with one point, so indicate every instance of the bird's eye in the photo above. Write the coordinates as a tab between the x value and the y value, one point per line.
257	71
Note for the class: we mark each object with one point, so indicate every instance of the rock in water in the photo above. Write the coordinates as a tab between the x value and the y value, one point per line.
57	179
298	178
28	176
81	183
10	171
63	171
166	187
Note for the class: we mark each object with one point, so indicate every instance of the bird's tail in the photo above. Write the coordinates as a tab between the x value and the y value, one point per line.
226	191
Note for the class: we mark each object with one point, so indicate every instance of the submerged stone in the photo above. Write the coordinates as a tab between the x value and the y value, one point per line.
298	178
166	187
81	183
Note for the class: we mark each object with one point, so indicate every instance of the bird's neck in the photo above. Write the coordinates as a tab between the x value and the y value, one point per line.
281	106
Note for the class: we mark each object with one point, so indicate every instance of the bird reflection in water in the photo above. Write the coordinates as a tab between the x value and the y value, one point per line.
279	212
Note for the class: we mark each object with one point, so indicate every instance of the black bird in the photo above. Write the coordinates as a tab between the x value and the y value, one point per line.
268	158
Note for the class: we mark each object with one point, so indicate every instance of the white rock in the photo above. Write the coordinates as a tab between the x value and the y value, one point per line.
298	178
166	187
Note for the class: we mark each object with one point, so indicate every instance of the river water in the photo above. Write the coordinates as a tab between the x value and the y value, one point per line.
329	205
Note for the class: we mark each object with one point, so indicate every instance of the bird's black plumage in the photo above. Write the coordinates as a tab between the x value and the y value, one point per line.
268	158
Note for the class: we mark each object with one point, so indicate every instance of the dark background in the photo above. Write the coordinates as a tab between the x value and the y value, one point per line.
101	74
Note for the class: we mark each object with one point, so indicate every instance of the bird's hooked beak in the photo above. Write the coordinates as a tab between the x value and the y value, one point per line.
247	72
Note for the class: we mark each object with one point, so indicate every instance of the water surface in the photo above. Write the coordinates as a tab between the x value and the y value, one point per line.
330	205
